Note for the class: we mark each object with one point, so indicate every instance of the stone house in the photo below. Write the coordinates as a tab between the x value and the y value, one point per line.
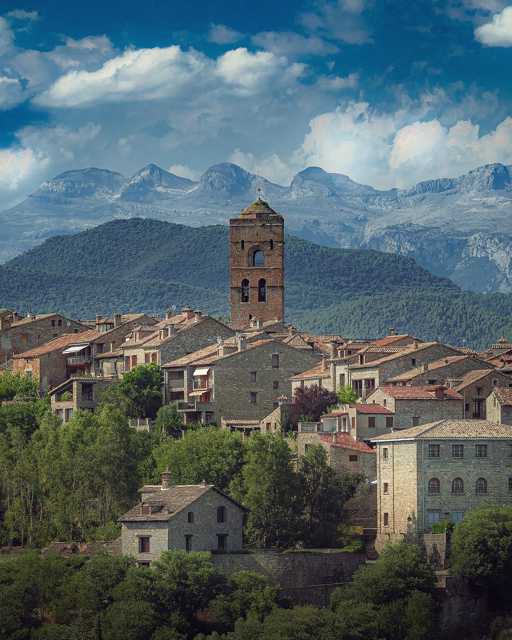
499	405
234	379
185	517
278	419
46	364
173	337
20	335
475	387
415	405
439	371
319	375
367	376
77	394
439	471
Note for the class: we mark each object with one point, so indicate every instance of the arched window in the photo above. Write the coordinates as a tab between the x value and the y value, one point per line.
458	486
262	290
481	486
244	291
257	258
434	486
221	514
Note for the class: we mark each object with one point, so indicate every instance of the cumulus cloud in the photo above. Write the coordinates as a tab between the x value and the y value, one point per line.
339	19
387	151
497	32
184	171
249	72
338	83
290	44
11	92
269	166
221	34
6	36
17	165
22	14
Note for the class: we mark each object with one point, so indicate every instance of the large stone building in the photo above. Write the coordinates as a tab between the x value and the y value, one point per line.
187	517
439	471
256	265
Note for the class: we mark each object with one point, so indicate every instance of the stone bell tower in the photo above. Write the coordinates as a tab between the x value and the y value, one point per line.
256	265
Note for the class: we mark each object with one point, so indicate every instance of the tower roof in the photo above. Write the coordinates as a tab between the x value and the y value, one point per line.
258	207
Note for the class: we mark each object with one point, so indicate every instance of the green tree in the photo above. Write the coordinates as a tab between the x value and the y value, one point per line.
142	387
270	489
168	420
347	395
14	385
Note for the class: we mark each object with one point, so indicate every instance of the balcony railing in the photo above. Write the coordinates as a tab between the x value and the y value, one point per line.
78	360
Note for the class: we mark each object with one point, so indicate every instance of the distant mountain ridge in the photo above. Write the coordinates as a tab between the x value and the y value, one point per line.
459	228
149	265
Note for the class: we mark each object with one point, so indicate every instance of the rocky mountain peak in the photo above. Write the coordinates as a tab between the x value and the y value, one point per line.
153	183
82	183
489	177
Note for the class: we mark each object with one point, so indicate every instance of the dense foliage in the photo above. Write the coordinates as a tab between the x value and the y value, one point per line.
356	293
310	403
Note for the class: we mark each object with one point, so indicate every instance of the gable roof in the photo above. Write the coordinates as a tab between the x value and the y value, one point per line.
420	392
435	365
387	341
406	351
504	395
53	345
169	502
318	371
344	440
478	374
449	430
209	355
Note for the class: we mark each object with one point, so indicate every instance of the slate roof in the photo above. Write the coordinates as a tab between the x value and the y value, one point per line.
420	392
450	430
166	503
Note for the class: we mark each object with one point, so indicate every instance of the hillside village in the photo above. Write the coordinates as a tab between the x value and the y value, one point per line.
425	427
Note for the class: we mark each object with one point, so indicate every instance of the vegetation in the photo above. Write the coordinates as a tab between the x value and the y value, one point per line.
15	385
310	403
347	395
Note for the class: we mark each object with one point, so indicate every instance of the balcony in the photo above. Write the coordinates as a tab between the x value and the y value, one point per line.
78	361
194	406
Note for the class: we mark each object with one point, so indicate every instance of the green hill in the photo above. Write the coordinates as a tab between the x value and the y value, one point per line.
149	265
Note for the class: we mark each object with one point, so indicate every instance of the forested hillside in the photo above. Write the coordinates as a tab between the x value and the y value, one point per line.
149	265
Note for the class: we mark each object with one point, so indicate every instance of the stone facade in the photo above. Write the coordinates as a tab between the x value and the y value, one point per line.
499	405
77	394
256	265
438	472
475	387
194	526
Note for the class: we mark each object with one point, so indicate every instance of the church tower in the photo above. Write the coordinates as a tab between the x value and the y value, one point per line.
256	265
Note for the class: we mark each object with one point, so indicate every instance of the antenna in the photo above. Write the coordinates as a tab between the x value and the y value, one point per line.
260	191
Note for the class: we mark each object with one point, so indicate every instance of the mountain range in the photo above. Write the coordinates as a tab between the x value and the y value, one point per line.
460	228
149	265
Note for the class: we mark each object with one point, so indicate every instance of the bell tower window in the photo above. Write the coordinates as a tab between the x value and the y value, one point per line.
242	244
271	243
257	258
244	291
262	290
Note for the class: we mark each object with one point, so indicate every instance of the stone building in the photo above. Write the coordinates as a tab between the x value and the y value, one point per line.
415	405
475	387
256	265
499	405
277	421
187	517
439	471
77	394
18	335
319	375
442	370
173	337
234	380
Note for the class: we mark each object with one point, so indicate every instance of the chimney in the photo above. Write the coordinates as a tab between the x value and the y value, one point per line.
392	331
198	315
168	314
98	321
425	366
165	479
220	346
118	319
291	330
189	314
162	334
240	342
324	363
416	344
439	391
5	323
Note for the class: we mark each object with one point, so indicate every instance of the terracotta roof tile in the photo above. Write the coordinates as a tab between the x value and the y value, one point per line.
53	345
473	376
372	409
504	395
449	430
387	341
346	441
434	366
409	350
315	372
425	392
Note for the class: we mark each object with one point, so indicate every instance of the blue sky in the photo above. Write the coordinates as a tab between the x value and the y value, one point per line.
389	92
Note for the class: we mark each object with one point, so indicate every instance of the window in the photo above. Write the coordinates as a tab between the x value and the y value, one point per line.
385	403
257	259
133	361
386	487
144	544
154	358
147	358
481	486
275	385
190	517
510	485
242	244
222	542
253	375
385	453
415	421
221	514
262	290
188	542
389	422
253	397
413	362
386	519
87	391
457	516
244	290
275	361
352	458
59	322
434	450
371	422
481	451
457	450
434	487
458	486
53	323
433	516
342	379
271	244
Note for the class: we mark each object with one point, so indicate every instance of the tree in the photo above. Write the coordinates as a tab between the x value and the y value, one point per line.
311	403
142	387
324	494
482	548
347	395
14	385
271	490
168	420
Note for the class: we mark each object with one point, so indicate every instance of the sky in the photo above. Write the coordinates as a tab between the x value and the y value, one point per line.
388	92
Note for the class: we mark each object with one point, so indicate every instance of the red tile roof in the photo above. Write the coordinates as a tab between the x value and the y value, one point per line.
387	341
53	345
426	392
373	408
318	371
345	441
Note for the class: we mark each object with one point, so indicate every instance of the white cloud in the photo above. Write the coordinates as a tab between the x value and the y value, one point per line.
269	166
135	75
221	34
251	72
21	14
17	165
339	19
388	150
498	32
184	171
11	92
286	43
338	83
6	36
